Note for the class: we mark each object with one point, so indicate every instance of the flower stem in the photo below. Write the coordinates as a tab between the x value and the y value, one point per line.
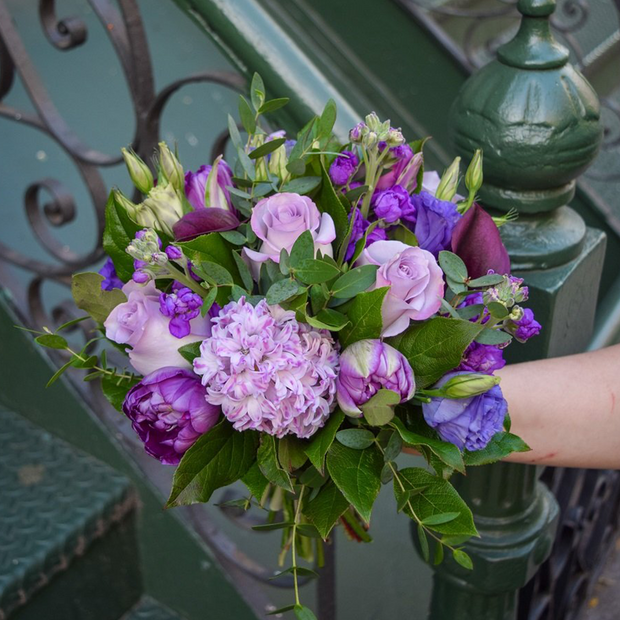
293	545
179	276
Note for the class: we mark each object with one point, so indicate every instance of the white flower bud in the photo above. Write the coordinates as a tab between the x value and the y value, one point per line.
139	172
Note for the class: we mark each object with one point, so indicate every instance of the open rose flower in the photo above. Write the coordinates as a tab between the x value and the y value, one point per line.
139	323
415	280
279	220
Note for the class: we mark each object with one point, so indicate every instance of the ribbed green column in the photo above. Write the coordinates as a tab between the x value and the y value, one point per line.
537	121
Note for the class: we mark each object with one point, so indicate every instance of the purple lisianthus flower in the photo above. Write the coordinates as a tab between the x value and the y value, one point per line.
196	182
169	412
110	279
360	225
368	366
393	205
343	167
483	358
527	326
182	305
435	223
468	423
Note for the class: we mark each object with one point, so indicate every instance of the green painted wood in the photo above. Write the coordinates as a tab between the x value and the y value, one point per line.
150	609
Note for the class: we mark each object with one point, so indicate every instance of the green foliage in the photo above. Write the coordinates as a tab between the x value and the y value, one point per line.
291	452
328	202
267	458
282	290
302	185
322	440
379	409
364	314
493	336
89	296
326	508
311	271
266	148
115	389
255	481
500	446
51	341
302	250
354	282
214	249
190	351
356	438
217	459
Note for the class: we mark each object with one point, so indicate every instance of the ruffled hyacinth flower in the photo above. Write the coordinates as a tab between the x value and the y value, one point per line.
360	225
468	423
169	412
267	371
436	220
394	204
110	279
181	306
484	358
196	183
368	366
343	167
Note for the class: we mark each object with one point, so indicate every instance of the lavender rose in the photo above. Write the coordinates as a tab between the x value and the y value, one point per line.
139	323
467	422
279	220
169	412
366	367
435	222
415	280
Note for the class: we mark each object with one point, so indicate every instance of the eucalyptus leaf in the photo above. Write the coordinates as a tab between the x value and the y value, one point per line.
247	115
356	438
272	105
302	185
452	266
311	271
266	148
281	291
52	341
493	336
354	282
302	250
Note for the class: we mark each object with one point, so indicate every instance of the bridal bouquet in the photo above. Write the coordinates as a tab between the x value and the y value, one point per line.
294	319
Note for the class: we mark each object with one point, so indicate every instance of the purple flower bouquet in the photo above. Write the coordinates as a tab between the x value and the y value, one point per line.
295	318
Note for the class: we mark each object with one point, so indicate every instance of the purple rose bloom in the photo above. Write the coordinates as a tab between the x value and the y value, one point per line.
182	305
435	223
394	204
527	326
343	167
467	422
359	228
483	358
110	279
196	182
169	412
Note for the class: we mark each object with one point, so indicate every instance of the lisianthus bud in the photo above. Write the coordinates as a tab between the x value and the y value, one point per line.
262	173
277	163
171	167
138	171
467	385
473	176
449	182
137	213
164	206
216	196
366	367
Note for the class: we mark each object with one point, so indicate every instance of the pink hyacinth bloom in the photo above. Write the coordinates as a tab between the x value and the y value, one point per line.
267	371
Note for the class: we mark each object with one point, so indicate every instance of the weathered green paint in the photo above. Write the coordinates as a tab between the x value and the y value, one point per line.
537	121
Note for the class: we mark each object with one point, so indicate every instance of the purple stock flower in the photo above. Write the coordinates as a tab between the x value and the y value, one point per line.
267	371
467	422
196	182
110	279
366	367
435	223
483	358
181	306
173	253
527	326
343	167
394	204
359	228
169	412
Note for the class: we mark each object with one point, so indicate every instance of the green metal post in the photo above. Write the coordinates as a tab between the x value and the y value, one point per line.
537	120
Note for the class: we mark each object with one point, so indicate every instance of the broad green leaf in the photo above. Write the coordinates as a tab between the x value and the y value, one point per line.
302	250
272	105
190	351
440	518
88	295
455	286
497	310
328	319
357	473
489	280
296	166
215	272
281	291
322	440
356	438
435	347
326	508
115	390
213	248
246	115
439	497
378	410
438	554
51	341
423	543
328	202
255	481
364	314
452	266
312	478
312	271
403	234
291	452
234	237
447	452
209	300
463	559
318	297
217	459
493	336
327	120
500	446
302	185
269	465
308	530
266	148
354	282
387	473
393	448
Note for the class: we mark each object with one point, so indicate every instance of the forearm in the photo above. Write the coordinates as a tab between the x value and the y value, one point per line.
567	409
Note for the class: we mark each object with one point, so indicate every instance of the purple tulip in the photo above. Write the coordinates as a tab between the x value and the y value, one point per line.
467	422
477	241
169	412
196	186
366	367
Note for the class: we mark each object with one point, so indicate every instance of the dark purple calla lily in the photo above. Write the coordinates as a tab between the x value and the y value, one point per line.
476	240
204	221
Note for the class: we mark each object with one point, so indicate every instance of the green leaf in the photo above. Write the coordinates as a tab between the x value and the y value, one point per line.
244	272
439	497
354	282
234	237
452	266
312	271
403	234
300	570
356	438
266	148
115	389
328	202
303	613
489	280
302	250
364	314
215	272
500	446
440	518
255	481
217	459
322	440
327	120
71	323
291	452
393	448
208	301
308	530
246	163
190	351
455	286
493	336
271	527
212	248
247	115
423	543
302	185
281	610
354	195
235	136
463	559
257	91
328	319
378	410
296	166
269	465
318	297
469	312
435	347
281	291
438	554
58	373
273	104
357	473
447	452
88	295
51	341
326	508
497	310
89	362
